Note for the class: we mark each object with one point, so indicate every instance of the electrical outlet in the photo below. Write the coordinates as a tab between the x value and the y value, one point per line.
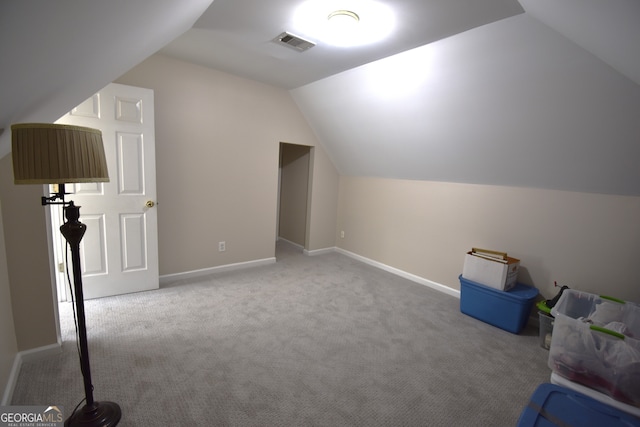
342	234
222	246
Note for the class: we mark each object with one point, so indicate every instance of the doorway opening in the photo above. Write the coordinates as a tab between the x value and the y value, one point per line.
294	194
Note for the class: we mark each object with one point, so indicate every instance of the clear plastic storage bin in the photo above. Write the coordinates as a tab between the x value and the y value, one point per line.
546	329
596	343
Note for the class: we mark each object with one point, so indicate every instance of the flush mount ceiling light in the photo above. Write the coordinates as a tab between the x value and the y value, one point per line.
344	22
343	16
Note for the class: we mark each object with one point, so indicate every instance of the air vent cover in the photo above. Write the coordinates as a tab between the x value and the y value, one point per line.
294	42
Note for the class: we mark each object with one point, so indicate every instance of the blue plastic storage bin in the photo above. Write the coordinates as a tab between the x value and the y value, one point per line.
508	310
552	405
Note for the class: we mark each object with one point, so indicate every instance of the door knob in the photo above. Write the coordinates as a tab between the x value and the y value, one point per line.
150	204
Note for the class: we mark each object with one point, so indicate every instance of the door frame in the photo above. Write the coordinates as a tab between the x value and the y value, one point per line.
58	250
309	172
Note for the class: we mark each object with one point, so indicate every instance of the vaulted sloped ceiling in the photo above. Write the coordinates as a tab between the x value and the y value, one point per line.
514	102
549	98
509	103
608	29
235	35
55	54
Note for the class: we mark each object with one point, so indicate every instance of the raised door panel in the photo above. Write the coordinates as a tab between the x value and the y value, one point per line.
134	242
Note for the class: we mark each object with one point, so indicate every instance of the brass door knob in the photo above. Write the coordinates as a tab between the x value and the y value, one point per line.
150	204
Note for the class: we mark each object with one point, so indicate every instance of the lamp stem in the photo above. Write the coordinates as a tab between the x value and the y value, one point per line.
93	413
73	231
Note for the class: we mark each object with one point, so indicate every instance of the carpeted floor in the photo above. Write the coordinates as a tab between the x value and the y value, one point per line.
307	341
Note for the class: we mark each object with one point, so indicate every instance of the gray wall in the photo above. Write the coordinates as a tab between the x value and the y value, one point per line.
28	266
587	241
217	152
8	343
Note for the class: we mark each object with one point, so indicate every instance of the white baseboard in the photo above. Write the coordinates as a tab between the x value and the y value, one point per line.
320	251
533	318
306	251
11	381
289	242
421	280
41	352
20	358
168	278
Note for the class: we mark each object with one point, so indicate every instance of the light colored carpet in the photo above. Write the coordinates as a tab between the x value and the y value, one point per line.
307	341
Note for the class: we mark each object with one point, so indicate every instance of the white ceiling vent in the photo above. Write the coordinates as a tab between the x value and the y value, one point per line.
294	42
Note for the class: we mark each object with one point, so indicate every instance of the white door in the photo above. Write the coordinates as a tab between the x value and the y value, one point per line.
119	251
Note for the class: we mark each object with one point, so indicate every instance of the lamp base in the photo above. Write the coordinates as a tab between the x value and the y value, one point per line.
98	414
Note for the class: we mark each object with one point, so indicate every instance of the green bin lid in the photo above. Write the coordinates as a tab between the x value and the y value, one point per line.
542	306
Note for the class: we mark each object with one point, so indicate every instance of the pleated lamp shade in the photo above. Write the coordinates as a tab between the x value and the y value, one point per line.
45	153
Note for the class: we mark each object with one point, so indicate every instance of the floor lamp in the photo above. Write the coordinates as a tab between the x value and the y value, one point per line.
60	154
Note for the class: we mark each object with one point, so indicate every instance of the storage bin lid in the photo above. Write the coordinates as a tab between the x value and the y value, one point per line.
543	307
553	405
523	291
600	310
520	292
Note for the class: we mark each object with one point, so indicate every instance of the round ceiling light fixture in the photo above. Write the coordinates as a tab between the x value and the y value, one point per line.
343	16
343	24
337	23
